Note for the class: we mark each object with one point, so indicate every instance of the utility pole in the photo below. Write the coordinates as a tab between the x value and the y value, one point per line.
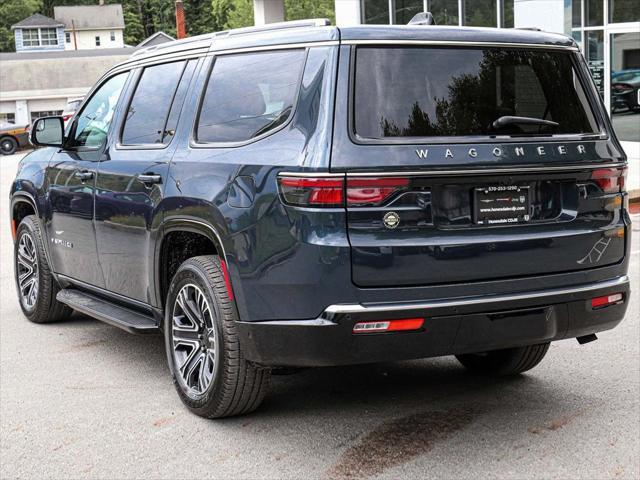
75	39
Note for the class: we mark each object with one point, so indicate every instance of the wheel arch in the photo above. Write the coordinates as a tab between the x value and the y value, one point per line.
22	204
162	261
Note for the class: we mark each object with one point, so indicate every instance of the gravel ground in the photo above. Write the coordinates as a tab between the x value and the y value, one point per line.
82	399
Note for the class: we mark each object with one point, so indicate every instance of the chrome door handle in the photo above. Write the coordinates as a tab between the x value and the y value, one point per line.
150	178
83	175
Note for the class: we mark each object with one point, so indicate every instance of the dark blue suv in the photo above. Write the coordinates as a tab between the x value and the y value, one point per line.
300	195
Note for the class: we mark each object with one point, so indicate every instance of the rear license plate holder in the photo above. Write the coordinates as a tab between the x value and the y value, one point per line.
501	205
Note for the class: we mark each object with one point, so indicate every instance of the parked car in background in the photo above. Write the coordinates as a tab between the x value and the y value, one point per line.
71	108
13	137
625	90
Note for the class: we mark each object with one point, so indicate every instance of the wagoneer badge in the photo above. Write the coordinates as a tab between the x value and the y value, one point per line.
391	220
518	151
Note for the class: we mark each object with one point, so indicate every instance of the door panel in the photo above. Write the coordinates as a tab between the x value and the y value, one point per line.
125	212
131	178
71	233
72	179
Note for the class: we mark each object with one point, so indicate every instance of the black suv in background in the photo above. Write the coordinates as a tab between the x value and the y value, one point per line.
301	195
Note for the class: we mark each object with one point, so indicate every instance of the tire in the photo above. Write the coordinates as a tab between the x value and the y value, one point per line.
204	352
36	287
8	145
510	361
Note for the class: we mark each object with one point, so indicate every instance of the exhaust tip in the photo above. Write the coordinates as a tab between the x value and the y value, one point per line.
587	338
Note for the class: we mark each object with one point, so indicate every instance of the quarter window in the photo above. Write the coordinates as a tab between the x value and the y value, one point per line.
146	121
249	95
93	122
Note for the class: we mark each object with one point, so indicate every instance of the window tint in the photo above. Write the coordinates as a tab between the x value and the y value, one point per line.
249	94
178	100
148	110
94	120
424	92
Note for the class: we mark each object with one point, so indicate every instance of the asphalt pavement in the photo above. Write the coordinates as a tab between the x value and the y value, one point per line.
82	399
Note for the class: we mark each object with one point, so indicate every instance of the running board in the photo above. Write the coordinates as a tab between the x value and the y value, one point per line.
105	311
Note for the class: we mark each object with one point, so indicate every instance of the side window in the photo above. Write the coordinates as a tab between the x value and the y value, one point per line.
93	122
249	94
147	120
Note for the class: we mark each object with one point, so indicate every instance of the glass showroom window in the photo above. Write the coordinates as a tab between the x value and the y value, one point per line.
375	12
622	11
480	13
477	13
405	10
445	12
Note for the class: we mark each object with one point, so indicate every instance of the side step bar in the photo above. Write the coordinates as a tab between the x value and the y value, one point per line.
105	311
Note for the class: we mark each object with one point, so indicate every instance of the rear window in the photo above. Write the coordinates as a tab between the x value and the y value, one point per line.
249	95
432	92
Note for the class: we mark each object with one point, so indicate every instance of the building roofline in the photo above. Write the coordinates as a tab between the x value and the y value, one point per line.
155	35
32	22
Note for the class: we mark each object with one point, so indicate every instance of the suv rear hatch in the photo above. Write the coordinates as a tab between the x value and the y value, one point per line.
475	163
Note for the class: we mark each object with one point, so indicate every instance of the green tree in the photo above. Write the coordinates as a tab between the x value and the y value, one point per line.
47	5
11	12
220	10
133	29
241	15
302	9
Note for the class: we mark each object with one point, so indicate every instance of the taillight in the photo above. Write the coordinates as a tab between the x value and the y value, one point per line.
610	180
312	191
330	191
606	300
373	191
401	325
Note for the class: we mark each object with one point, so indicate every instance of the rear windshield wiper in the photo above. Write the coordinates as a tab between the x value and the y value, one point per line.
507	120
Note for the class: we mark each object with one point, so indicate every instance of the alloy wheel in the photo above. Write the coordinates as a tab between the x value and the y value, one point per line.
194	340
27	271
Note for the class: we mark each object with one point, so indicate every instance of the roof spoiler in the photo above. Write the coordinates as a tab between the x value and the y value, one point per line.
423	18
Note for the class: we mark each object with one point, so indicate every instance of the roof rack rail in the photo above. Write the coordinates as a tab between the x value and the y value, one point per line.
422	18
269	27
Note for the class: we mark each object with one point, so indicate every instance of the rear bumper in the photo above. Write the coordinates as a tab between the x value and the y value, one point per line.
452	326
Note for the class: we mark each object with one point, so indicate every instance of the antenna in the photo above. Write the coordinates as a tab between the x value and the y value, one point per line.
423	18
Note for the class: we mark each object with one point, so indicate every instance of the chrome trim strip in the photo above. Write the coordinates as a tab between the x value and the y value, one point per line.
310	174
399	307
454	43
487	171
460	171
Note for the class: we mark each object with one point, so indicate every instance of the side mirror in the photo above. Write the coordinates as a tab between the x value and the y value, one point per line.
47	132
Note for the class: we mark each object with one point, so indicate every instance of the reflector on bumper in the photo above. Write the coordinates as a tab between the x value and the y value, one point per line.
405	324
